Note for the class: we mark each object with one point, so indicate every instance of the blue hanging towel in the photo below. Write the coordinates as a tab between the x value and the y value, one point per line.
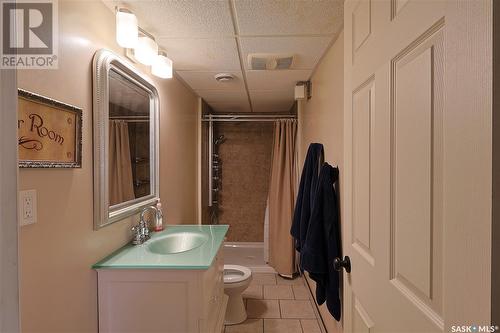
305	195
323	242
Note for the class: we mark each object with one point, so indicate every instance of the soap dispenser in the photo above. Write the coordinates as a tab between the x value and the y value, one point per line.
159	218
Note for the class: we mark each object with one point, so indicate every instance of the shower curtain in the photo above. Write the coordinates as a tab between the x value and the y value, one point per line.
282	197
121	185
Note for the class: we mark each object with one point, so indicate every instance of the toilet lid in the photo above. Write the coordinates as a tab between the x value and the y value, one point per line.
236	273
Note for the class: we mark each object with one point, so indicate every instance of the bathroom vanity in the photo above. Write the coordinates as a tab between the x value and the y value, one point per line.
171	283
174	281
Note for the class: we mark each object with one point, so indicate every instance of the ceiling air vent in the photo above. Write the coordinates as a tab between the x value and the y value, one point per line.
224	77
266	61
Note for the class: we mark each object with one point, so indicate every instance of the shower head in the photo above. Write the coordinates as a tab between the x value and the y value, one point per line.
219	140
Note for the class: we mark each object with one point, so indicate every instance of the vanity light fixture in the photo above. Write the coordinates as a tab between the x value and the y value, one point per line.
146	50
127	31
143	44
162	66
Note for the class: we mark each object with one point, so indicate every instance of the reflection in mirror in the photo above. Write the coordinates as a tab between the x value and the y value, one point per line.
129	140
126	135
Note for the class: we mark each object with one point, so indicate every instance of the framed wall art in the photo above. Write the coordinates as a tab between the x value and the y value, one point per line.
49	132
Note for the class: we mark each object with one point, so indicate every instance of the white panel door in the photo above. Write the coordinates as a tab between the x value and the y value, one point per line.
398	176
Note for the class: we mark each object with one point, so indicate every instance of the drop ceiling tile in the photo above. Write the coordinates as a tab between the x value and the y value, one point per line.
206	80
307	51
223	96
272	95
181	19
202	54
231	107
276	80
289	17
274	107
272	100
199	37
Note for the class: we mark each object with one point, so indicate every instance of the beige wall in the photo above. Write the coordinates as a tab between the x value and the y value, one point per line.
58	288
178	153
321	119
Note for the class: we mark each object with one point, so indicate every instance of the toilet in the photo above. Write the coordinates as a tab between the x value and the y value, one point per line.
236	281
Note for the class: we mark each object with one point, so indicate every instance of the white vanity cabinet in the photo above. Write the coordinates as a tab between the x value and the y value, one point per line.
162	300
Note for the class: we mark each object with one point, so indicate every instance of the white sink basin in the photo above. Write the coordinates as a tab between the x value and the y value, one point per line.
177	242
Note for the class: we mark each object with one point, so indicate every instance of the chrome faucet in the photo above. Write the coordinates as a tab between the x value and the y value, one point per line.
141	231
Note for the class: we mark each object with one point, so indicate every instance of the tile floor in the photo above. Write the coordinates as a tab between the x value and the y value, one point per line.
277	305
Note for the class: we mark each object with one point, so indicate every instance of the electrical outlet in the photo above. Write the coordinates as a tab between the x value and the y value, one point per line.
27	207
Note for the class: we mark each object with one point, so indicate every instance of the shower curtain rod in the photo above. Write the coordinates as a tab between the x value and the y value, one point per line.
131	119
245	120
247	117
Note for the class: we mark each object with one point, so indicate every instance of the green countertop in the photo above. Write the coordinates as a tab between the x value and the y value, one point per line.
140	257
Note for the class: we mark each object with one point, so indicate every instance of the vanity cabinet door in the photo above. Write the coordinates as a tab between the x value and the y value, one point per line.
149	301
213	297
170	301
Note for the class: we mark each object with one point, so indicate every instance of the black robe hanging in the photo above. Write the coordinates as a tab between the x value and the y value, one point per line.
305	195
323	242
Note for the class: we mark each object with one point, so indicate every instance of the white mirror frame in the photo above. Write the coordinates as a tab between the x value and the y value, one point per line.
104	61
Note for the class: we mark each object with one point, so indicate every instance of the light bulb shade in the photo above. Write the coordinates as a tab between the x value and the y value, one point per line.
162	67
146	50
127	31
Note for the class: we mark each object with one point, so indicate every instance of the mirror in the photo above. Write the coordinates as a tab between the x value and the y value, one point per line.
126	110
129	144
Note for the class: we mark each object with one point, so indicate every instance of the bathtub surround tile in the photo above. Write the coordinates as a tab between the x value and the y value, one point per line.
301	292
263	279
310	326
282	326
297	309
257	308
253	292
249	326
278	292
242	199
298	281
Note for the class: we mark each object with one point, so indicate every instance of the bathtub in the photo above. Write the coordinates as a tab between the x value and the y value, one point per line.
249	254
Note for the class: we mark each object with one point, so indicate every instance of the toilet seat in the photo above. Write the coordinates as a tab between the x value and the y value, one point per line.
236	274
236	280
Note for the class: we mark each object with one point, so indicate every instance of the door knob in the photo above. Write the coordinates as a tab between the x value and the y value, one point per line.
345	263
